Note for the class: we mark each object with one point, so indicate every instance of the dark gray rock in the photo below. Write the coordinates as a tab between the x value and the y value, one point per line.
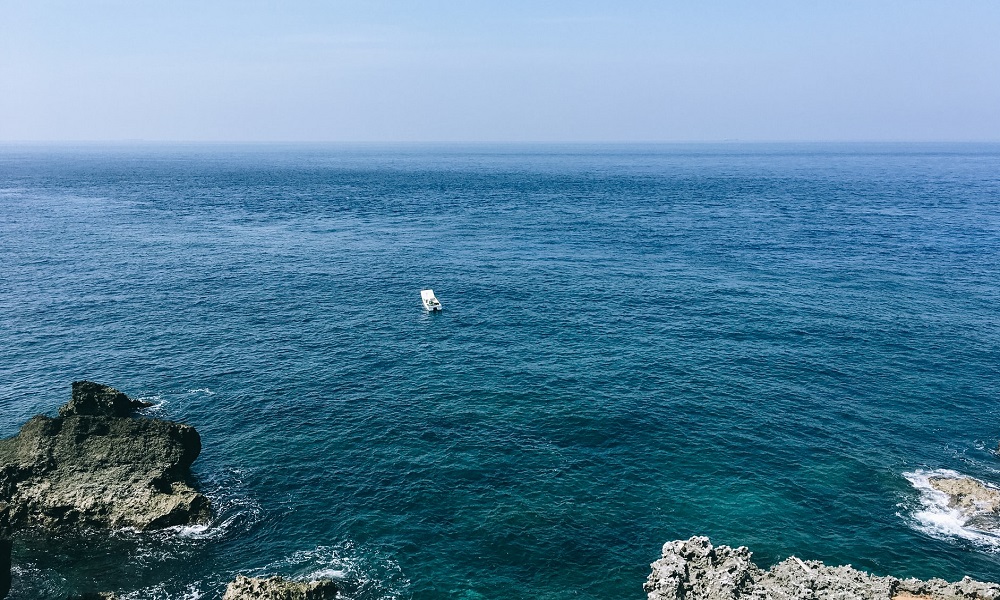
695	570
95	466
99	400
276	588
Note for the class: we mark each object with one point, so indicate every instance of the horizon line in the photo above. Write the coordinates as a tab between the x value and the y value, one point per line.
140	141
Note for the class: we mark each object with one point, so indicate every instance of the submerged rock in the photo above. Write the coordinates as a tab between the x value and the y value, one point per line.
95	466
977	502
276	588
695	570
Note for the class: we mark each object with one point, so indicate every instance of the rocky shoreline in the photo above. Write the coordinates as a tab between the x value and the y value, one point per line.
278	588
254	588
98	466
693	569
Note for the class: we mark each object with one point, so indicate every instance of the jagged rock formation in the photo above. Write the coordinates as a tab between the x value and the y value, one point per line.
276	588
979	504
95	466
94	399
695	570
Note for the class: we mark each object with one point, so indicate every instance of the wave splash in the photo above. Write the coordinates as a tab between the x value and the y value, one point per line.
936	518
162	592
235	508
360	574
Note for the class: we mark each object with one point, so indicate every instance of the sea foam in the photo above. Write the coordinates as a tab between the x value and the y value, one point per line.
937	519
359	572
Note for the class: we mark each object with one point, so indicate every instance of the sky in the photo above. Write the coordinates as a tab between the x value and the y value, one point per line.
501	71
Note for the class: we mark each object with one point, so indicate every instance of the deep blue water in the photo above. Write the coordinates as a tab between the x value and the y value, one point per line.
758	343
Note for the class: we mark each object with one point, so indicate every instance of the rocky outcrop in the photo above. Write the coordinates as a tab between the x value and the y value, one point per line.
96	466
978	503
99	400
695	570
276	588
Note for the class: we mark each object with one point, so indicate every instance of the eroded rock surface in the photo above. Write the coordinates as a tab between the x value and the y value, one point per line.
695	570
277	588
99	400
977	502
96	466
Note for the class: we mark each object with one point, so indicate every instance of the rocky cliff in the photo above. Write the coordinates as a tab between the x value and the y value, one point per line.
97	466
695	570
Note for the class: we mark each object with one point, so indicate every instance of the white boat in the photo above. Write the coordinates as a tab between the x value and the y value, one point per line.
430	302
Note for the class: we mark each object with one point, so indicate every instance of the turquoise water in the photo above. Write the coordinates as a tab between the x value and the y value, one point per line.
766	344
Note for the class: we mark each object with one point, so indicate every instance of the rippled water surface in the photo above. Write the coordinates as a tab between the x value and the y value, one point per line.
766	344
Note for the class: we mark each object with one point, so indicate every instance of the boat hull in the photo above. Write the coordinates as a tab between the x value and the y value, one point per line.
431	303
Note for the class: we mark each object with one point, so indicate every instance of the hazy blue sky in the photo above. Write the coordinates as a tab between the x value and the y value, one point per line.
500	71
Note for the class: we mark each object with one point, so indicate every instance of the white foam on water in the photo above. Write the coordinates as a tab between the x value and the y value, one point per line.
156	400
159	591
359	574
935	518
329	574
159	401
30	582
234	511
191	531
228	514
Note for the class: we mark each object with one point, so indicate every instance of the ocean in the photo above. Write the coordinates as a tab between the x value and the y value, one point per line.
769	344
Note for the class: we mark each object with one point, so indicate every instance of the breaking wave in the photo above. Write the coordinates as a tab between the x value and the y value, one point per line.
934	517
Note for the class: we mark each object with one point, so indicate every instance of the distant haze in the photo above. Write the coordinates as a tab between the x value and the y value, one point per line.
499	71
